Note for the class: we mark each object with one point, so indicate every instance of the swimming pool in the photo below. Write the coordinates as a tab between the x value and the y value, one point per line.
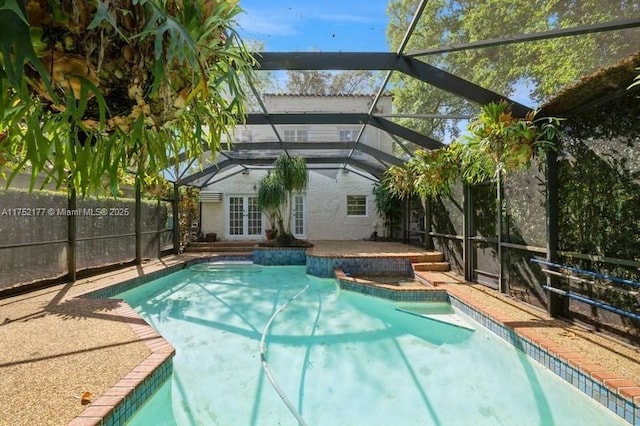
340	358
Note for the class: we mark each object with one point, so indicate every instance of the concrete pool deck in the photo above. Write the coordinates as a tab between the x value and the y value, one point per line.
55	346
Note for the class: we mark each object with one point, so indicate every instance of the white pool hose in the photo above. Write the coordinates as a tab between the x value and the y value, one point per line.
265	364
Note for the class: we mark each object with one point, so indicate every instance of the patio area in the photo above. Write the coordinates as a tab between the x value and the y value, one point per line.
516	164
63	346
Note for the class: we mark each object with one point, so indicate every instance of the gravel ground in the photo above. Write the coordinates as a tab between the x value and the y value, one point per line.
54	347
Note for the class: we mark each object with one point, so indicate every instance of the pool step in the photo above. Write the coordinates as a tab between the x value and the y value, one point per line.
231	254
222	247
433	256
437	278
431	266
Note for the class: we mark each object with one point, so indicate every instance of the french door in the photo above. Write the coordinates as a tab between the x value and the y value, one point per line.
298	217
244	218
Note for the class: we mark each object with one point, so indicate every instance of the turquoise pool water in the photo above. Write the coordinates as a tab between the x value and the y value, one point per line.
341	358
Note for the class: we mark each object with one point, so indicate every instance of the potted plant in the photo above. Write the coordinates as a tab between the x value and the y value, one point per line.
271	197
427	174
292	174
106	87
276	193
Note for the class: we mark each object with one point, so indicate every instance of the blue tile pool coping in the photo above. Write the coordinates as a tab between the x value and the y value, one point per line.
324	266
270	256
626	408
140	395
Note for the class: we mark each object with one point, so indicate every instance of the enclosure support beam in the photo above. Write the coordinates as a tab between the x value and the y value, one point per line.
555	301
159	227
467	230
422	71
72	205
428	220
138	222
502	282
406	238
176	219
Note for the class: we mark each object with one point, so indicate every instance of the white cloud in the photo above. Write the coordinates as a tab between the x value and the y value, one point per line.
263	23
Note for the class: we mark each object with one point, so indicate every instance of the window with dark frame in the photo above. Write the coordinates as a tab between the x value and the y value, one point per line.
356	205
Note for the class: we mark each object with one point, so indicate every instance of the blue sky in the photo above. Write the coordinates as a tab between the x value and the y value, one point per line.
315	25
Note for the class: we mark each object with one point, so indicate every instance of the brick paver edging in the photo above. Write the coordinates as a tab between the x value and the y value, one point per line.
120	402
618	394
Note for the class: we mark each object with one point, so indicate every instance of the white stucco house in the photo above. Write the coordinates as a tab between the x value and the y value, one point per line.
338	203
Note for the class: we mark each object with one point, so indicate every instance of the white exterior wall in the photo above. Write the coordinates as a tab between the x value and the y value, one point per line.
326	197
326	206
321	133
214	215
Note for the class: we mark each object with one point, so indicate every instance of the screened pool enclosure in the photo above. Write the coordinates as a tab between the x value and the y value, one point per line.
563	234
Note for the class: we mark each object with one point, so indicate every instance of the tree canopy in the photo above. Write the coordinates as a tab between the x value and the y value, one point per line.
331	83
544	66
92	90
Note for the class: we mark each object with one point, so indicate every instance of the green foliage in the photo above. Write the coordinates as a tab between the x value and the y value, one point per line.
388	207
434	171
331	83
498	142
271	198
546	66
599	182
291	172
289	175
188	208
399	181
16	48
98	88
